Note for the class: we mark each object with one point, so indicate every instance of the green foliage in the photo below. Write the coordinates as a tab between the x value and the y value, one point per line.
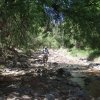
80	53
93	55
14	23
49	41
23	23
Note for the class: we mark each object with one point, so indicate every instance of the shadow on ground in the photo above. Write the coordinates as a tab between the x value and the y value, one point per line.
45	82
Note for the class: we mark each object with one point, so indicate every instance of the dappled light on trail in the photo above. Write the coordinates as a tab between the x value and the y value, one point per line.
62	77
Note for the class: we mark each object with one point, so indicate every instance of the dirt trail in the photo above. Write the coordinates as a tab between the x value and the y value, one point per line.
62	56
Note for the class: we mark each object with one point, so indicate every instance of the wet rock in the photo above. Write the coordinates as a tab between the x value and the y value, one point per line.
87	80
2	60
9	64
31	60
98	98
45	73
12	86
1	98
22	59
18	64
26	91
16	94
60	72
94	66
11	97
49	97
26	97
72	98
63	72
1	92
25	65
55	64
79	92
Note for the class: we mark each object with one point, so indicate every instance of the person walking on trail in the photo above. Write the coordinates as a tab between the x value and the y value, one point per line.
45	55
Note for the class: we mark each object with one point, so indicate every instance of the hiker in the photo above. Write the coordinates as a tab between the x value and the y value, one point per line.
45	55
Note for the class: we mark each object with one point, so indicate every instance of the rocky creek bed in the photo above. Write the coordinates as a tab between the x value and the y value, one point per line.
62	78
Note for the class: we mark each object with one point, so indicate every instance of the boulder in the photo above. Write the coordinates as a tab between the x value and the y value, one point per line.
63	72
